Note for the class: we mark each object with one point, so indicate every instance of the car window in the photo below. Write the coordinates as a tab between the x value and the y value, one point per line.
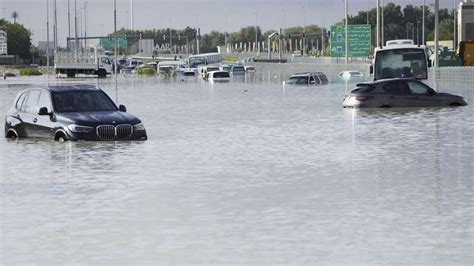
313	80
31	105
418	88
323	78
20	100
45	100
398	87
82	101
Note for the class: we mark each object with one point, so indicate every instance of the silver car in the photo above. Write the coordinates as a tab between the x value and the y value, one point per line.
398	92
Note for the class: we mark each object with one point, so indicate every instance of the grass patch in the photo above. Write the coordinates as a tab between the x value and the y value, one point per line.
30	72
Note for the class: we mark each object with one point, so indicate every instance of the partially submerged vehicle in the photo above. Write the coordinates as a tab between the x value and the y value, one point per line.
398	92
70	112
308	78
217	76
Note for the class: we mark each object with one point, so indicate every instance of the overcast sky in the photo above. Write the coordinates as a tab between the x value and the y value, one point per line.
222	15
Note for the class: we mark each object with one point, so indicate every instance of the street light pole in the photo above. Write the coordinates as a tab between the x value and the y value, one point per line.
346	33
115	50
436	33
454	25
423	25
47	34
377	37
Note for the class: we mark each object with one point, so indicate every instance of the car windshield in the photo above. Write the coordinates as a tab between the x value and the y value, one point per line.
298	80
408	62
82	101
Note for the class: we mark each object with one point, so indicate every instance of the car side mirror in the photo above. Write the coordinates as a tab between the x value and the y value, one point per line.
122	108
371	69
431	92
43	111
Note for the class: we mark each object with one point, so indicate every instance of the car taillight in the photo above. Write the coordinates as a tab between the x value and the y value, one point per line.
363	98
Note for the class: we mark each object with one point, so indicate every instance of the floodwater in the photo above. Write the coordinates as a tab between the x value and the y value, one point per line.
247	172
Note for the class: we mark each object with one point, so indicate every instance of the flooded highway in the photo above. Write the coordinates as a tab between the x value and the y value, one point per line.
245	172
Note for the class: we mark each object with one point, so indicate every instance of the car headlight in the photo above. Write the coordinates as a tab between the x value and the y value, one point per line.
79	129
139	127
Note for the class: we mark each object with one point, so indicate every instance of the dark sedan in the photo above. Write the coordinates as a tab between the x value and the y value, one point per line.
398	92
70	112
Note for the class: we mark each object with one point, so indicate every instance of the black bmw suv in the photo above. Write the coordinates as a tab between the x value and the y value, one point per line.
71	112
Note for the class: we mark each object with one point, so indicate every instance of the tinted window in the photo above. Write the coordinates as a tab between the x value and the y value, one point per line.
221	75
418	88
45	100
399	87
298	80
82	101
323	78
20	100
31	105
313	80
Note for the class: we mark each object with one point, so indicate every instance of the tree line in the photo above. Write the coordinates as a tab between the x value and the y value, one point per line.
398	22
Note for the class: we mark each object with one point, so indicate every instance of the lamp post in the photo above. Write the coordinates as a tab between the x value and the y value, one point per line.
417	32
423	25
346	33
47	34
377	36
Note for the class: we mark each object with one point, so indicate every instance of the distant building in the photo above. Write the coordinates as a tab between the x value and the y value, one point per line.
146	46
43	46
466	21
3	43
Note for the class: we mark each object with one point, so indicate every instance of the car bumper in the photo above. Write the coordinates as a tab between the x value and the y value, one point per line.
93	136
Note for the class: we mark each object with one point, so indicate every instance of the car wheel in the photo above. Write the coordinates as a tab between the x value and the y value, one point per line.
60	137
11	135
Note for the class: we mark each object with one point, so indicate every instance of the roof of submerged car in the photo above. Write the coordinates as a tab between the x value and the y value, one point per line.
78	87
380	81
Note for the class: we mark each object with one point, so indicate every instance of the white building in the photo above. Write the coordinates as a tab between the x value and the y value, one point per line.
3	43
466	21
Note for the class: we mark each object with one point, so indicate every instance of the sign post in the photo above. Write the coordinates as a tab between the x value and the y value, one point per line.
359	40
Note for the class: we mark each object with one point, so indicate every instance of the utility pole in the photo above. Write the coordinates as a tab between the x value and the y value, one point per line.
454	25
382	36
55	33
131	15
436	33
47	34
85	24
423	25
68	20
197	40
115	50
377	37
76	41
346	33
256	33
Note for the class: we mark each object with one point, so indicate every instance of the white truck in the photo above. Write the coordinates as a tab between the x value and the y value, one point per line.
89	63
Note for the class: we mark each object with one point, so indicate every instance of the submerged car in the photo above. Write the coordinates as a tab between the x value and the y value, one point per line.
70	112
308	78
398	92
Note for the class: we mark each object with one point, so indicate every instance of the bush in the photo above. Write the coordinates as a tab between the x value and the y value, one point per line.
146	71
30	72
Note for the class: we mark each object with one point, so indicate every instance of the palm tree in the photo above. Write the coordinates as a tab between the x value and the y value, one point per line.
15	16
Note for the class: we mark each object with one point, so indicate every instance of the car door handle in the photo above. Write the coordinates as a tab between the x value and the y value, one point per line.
35	120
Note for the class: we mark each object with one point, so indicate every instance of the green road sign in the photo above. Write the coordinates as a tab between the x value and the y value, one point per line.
109	43
359	40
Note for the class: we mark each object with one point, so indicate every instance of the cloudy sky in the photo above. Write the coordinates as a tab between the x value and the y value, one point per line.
222	15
